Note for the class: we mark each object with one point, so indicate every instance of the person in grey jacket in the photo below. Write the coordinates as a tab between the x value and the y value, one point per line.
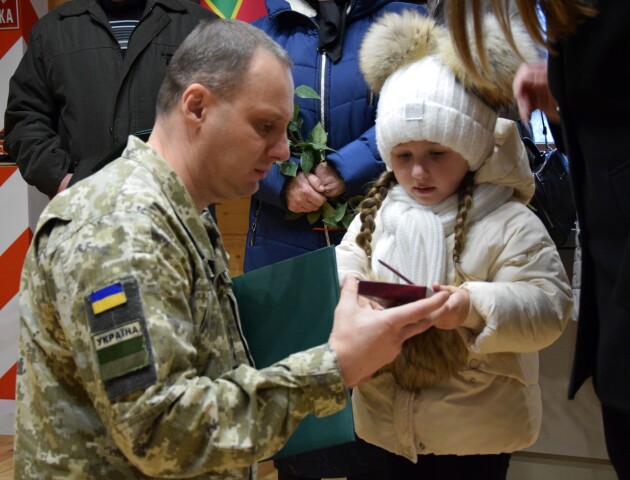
89	78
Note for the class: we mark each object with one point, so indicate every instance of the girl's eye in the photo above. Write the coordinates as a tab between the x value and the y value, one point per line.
403	155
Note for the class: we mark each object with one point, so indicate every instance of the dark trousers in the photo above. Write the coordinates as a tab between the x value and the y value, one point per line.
617	433
449	467
376	475
357	460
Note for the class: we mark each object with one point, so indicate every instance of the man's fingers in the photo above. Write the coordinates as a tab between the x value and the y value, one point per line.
413	329
315	182
438	313
413	312
349	289
368	302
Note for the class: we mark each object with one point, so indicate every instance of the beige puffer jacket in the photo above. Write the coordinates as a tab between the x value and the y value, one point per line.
520	305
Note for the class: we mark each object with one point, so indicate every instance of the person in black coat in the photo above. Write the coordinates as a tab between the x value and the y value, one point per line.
88	80
584	87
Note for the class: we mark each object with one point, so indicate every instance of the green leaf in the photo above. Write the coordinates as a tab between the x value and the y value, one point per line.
313	146
318	135
328	211
304	91
288	168
340	211
293	130
293	215
355	200
307	160
312	217
330	222
296	111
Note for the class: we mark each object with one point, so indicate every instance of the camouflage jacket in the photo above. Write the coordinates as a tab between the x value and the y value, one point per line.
132	362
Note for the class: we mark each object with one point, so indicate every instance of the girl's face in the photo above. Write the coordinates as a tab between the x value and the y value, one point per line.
427	171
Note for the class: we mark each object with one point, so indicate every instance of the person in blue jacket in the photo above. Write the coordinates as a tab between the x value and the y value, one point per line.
323	40
323	43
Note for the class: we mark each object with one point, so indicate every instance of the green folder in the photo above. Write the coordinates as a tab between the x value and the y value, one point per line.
288	307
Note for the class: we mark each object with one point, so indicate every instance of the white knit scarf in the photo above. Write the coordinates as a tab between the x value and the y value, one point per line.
413	240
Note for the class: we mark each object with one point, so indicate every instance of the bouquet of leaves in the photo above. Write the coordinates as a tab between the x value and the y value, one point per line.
336	213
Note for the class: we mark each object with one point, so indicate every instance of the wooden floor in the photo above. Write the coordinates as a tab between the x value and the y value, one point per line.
265	469
6	457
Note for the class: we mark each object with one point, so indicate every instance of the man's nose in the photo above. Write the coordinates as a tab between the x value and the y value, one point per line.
279	152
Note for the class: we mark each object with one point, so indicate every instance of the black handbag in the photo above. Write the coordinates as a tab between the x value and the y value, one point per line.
553	199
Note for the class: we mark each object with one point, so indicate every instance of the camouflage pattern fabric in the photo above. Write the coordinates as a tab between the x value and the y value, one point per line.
132	362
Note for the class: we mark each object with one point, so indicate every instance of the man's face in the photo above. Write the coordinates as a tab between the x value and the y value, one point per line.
247	134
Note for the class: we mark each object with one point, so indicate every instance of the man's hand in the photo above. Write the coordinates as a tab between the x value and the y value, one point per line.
325	180
531	90
455	310
365	339
301	197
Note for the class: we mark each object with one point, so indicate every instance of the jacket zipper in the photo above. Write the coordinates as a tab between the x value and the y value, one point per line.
255	224
322	92
322	115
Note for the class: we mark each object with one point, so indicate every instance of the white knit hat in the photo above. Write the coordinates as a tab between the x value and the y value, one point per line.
425	91
424	101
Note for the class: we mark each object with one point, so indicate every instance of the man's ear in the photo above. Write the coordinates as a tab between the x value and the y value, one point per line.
195	101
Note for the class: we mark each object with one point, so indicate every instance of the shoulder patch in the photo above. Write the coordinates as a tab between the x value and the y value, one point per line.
120	338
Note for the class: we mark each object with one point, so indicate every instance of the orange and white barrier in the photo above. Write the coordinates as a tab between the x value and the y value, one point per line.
20	204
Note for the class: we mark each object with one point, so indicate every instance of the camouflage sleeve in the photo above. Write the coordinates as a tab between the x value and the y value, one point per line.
158	365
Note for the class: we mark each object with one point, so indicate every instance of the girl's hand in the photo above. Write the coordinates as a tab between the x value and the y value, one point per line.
454	312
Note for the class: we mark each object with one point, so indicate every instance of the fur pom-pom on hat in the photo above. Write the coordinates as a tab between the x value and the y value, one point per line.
394	41
425	91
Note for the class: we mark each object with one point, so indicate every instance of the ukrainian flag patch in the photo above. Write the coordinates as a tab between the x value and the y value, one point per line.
107	298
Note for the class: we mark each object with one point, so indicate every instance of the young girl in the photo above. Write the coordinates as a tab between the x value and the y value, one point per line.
450	213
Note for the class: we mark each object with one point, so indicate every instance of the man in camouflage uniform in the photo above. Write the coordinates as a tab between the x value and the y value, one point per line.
132	362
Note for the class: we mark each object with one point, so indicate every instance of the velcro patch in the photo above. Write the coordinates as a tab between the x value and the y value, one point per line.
120	338
121	350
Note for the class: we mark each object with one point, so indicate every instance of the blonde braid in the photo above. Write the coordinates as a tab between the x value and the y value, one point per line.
369	206
435	355
465	194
